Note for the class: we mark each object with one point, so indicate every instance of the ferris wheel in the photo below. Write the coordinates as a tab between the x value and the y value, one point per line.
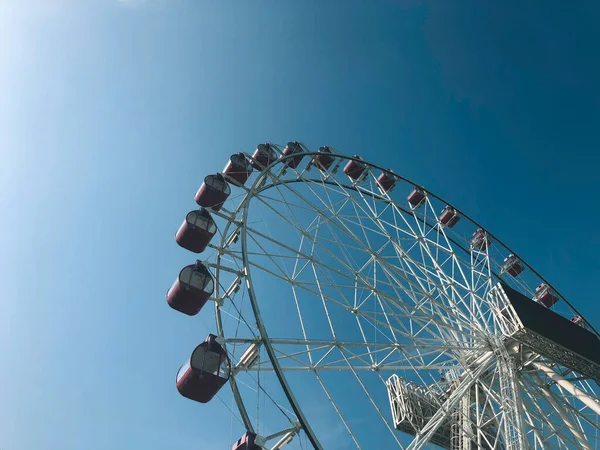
355	309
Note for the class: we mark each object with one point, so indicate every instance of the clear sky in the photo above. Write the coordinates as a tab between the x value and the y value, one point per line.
112	112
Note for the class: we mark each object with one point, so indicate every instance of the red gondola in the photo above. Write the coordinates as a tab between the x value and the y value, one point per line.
480	240
291	149
324	159
263	156
545	295
387	181
196	231
191	290
512	265
578	320
205	372
416	197
449	217
238	168
213	192
246	442
355	169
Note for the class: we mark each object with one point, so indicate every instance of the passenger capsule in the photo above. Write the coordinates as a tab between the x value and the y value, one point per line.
355	169
196	231
578	320
480	240
293	148
512	265
416	197
213	192
191	290
263	156
238	168
246	442
387	181
324	159
449	217
205	372
545	295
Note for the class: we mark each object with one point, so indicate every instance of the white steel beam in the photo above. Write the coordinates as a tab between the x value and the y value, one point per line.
581	395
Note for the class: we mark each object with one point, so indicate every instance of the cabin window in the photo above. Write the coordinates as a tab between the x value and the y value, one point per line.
198	280
211	362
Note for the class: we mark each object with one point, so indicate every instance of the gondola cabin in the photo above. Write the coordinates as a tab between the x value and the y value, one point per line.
512	265
578	320
387	181
416	197
293	148
246	442
213	192
205	372
196	231
355	169
238	168
545	295
263	156
480	240
191	290
324	159
449	217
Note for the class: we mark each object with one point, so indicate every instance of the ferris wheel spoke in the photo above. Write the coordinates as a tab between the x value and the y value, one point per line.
339	223
356	239
543	434
389	426
337	410
512	408
258	234
287	206
300	315
535	432
295	355
255	235
455	298
401	329
552	423
540	431
566	415
404	273
490	412
362	332
481	276
553	431
579	411
590	418
417	325
486	422
422	221
324	343
587	398
423	239
451	323
475	309
406	269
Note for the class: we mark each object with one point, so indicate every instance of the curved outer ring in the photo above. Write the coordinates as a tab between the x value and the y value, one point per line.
244	206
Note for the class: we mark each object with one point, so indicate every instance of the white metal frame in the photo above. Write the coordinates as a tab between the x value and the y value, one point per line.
436	311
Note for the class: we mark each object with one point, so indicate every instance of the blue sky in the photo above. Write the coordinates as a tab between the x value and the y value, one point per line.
112	112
